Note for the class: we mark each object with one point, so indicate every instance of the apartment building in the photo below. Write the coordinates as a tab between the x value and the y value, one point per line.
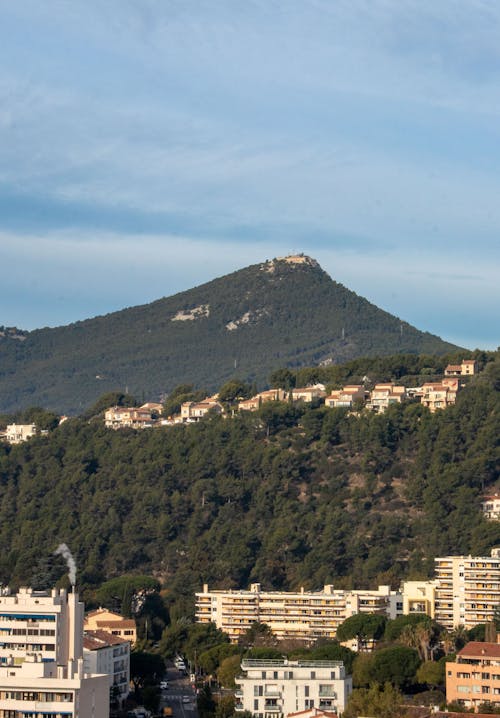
276	688
419	597
42	671
301	615
48	624
467	589
108	654
474	677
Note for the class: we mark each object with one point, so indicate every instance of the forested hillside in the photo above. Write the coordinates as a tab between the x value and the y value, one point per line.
266	316
291	495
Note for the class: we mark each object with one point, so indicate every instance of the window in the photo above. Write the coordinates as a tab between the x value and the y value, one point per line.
306	691
256	704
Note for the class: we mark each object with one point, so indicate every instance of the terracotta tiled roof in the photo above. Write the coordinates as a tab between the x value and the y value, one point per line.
477	649
94	640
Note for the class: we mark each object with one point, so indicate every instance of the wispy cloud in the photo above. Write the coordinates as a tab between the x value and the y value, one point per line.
366	129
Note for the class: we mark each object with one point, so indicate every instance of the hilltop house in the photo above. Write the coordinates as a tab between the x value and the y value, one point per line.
345	398
468	367
120	417
17	433
383	395
439	395
192	411
491	507
308	393
270	395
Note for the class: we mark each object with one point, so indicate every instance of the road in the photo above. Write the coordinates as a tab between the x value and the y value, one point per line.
179	695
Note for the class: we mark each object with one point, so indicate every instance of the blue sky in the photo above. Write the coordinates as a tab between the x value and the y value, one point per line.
149	146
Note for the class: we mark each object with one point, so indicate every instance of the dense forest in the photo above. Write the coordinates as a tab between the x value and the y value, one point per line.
290	495
258	319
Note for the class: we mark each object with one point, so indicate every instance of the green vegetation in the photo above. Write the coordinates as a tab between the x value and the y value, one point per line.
249	323
290	495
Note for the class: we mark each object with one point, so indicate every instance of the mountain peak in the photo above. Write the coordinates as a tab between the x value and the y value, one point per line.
294	260
286	312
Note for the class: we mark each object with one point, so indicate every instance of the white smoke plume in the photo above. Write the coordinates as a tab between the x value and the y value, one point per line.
70	561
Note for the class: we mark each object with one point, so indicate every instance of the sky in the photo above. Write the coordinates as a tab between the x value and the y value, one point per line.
149	146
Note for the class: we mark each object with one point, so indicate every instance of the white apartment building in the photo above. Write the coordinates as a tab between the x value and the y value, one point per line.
41	659
105	653
467	589
48	624
301	615
276	688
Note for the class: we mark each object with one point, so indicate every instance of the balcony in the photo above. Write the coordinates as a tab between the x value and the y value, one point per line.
238	706
272	708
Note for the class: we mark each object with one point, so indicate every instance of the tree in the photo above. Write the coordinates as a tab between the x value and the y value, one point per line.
282	379
259	634
126	594
362	626
234	389
205	702
228	670
225	706
380	701
397	664
432	673
145	668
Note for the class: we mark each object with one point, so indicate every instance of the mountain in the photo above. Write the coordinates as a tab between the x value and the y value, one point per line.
283	312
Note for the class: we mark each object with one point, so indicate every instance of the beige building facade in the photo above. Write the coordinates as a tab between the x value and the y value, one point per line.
467	589
301	615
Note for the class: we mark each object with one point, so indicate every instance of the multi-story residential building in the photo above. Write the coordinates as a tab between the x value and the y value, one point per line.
491	507
467	589
276	688
344	398
104	620
383	395
301	615
39	622
41	659
439	395
17	433
419	597
468	367
108	654
474	677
